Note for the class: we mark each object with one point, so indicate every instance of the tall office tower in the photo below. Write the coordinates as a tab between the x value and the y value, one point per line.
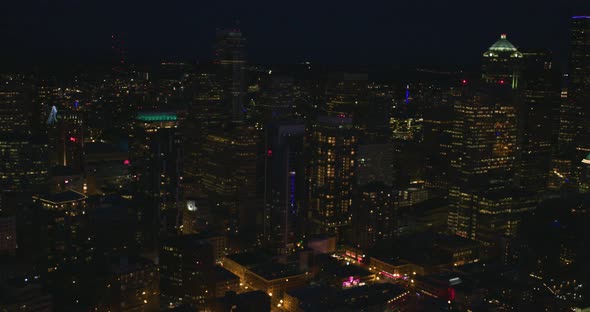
501	63
438	122
156	165
284	184
229	180
538	120
207	99
230	54
374	163
484	146
277	100
66	137
206	115
186	272
331	174
23	163
67	244
574	141
23	154
15	109
347	94
380	101
374	214
172	85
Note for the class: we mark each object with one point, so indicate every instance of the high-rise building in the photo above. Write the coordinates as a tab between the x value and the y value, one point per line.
277	100
374	163
67	244
574	142
206	114
347	94
156	164
374	215
187	271
538	118
230	54
331	173
229	180
23	152
484	146
501	63
129	285
285	191
15	109
23	163
438	122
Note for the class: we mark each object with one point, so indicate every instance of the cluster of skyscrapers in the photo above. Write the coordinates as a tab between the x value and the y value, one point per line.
227	185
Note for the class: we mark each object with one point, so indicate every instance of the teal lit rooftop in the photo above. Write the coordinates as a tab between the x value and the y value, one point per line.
503	45
156	117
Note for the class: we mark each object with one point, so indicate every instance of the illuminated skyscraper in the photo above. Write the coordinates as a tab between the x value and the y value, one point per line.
574	141
331	173
156	163
15	109
230	54
23	153
347	94
538	117
229	179
484	147
207	114
285	193
501	63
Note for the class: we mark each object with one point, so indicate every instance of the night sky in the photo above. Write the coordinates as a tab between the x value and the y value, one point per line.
449	34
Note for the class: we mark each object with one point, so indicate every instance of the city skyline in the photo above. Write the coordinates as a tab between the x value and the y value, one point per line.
421	33
135	178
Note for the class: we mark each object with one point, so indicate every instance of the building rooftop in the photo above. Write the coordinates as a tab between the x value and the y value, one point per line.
64	171
344	271
271	271
503	45
363	298
156	116
222	274
63	197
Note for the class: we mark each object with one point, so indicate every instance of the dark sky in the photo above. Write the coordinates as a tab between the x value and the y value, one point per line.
427	32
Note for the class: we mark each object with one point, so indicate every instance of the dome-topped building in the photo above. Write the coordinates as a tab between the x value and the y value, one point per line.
503	45
501	63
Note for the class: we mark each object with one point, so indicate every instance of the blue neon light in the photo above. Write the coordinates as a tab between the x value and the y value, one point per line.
407	94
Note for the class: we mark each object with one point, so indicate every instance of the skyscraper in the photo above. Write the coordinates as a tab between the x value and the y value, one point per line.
484	145
574	143
285	193
501	63
156	163
374	216
23	153
331	173
230	55
229	180
538	118
347	94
